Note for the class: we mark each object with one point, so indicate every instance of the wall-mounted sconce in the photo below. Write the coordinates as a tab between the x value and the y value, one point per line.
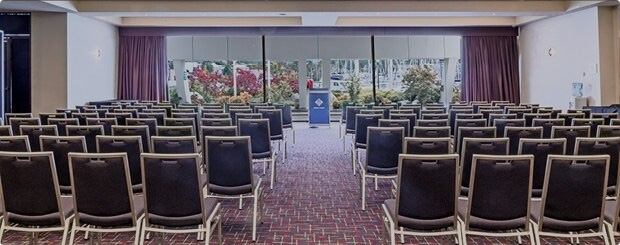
97	53
551	52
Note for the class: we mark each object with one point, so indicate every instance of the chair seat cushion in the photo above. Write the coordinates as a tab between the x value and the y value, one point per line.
487	224
381	171
234	190
189	220
561	225
50	219
115	220
419	224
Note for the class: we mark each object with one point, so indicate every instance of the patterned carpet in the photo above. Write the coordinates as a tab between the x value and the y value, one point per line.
316	200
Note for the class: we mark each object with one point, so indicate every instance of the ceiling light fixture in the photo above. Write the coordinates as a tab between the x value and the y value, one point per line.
283	14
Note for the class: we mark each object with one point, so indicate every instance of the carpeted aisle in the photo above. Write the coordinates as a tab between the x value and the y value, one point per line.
316	200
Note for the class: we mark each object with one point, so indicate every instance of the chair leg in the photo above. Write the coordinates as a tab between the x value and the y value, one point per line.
376	183
532	236
219	229
354	159
392	236
363	179
536	234
610	233
240	202
136	239
463	233
142	232
73	231
199	235
402	236
519	239
273	172
86	233
207	234
65	232
254	216
2	231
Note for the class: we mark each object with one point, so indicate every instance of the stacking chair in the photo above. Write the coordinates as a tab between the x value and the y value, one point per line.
159	117
483	146
349	129
287	119
257	108
15	143
100	112
193	116
61	124
129	145
89	132
568	117
606	117
151	123
547	125
83	115
216	122
5	130
570	133
431	132
416	211
417	110
453	114
608	131
174	145
362	122
193	107
427	146
433	111
62	146
486	114
469	116
34	132
540	149
498	203
602	146
230	175
121	118
132	112
137	108
111	107
382	149
513	107
8	116
501	102
515	134
168	109
403	123
175	131
478	108
220	131
248	116
254	105
46	116
501	124
529	118
180	122
372	111
473	132
385	109
153	111
98	179
493	117
142	131
107	123
31	200
215	115
260	134
432	123
233	114
468	123
520	112
68	112
409	116
177	175
586	112
435	116
572	207
554	112
593	123
401	111
206	110
276	129
82	108
16	122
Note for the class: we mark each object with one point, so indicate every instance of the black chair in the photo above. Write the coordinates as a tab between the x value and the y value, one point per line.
62	146
260	134
427	146
468	123
230	172
483	146
111	107
257	108
107	123
435	116
168	109
175	131
349	129
31	200
34	132
554	112
81	117
608	131
132	112
180	122
520	112
194	108
174	145
15	122
529	118
104	178
498	203
371	112
151	123
493	117
431	132
178	176
121	118
159	116
515	134
432	123
469	116
593	123
486	114
233	114
586	112
426	198
130	145
248	116
15	143
6	131
606	117
602	146
213	110
137	108
276	128
433	110
547	125
572	207
287	119
453	114
362	122
570	133
89	132
385	109
68	112
401	111
417	109
100	112
541	149
61	124
501	125
382	149
219	131
568	117
409	116
83	108
216	122
403	123
215	115
8	116
142	131
473	132
193	116
45	116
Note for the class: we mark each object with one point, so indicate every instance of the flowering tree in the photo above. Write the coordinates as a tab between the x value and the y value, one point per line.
247	81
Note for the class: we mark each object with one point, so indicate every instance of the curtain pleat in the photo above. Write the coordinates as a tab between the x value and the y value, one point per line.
142	68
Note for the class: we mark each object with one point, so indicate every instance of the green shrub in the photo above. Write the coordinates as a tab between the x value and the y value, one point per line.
422	84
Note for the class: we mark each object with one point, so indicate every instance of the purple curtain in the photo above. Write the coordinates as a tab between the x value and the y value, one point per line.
142	68
490	68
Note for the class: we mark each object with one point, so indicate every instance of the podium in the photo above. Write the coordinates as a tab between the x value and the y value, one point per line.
318	107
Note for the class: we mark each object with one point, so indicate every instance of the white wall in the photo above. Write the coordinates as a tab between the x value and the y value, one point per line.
548	79
91	77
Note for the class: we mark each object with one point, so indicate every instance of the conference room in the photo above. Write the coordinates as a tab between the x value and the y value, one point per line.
309	122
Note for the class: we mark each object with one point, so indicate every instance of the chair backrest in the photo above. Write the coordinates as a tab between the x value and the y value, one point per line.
453	114
287	115
608	131
233	113
220	131
487	113
175	131
29	187
529	118
107	123
515	134
606	117
175	115
229	164
83	115
216	122
131	145
45	116
142	131
401	111
435	116
121	117
417	109
151	123
15	143
431	132
586	112
433	111
15	122
177	175
427	189
5	130
101	189
385	109
602	146
362	122
89	132
100	112
410	116
554	112
206	110
67	112
432	123
500	189
547	125
383	146
427	146
473	132
483	146
174	145
570	133
519	111
158	116
541	149
403	123
259	132
468	123
568	117
493	117
8	116
215	115
61	124
62	146
34	132
578	198
501	125
592	122
258	108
